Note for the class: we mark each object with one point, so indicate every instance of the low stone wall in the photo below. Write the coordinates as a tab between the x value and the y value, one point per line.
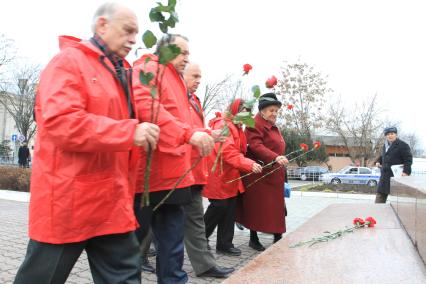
408	198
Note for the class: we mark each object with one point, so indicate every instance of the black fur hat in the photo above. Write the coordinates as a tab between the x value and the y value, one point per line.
268	99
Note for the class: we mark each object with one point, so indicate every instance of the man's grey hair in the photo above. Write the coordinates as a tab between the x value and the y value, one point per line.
106	10
191	64
166	40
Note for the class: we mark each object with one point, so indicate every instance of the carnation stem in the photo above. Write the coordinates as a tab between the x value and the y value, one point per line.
327	237
279	167
216	160
150	152
267	165
177	183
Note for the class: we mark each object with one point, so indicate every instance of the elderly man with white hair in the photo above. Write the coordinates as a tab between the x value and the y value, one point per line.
81	183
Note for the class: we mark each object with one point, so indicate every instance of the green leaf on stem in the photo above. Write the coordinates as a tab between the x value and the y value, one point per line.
145	78
243	114
249	122
249	104
244	118
168	53
162	8
172	4
175	17
256	91
224	131
163	27
155	15
170	22
153	92
149	39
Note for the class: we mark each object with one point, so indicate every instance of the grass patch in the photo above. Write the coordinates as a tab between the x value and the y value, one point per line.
339	188
13	178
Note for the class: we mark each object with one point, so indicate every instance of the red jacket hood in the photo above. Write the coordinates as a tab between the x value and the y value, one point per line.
70	41
86	46
219	117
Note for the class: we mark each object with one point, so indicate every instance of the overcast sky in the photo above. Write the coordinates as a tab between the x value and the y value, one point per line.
365	47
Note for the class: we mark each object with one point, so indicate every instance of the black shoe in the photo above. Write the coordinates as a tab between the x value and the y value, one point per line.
239	226
146	266
256	245
216	272
229	251
277	237
227	269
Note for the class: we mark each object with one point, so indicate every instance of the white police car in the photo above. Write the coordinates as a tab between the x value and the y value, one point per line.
353	175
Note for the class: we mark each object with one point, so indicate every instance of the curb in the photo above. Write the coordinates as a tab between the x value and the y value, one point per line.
299	193
14	195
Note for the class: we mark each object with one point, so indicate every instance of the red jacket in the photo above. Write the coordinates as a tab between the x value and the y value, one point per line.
172	158
80	176
200	172
233	161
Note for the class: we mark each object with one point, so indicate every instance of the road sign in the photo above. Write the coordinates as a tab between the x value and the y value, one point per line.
21	138
14	137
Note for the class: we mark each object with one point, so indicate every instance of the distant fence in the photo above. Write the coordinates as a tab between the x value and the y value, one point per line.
419	167
418	172
7	161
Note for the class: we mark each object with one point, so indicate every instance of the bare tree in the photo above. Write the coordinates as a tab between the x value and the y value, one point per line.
213	94
7	51
218	95
414	142
304	89
17	95
358	128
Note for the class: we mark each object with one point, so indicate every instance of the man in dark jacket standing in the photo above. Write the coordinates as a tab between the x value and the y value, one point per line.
23	156
395	152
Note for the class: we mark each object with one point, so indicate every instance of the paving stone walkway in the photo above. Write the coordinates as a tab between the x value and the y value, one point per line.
13	237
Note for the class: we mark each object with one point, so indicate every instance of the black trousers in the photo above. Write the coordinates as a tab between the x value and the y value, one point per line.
381	197
221	213
112	259
143	216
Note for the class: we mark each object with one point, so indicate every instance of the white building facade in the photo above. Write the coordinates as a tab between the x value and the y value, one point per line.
8	131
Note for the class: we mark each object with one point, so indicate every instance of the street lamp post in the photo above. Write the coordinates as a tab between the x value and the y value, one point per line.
22	85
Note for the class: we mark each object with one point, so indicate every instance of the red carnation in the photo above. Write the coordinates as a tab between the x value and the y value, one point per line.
317	144
290	106
304	147
358	221
370	221
247	68
271	82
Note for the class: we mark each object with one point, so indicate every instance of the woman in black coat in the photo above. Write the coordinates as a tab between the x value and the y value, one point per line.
395	152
